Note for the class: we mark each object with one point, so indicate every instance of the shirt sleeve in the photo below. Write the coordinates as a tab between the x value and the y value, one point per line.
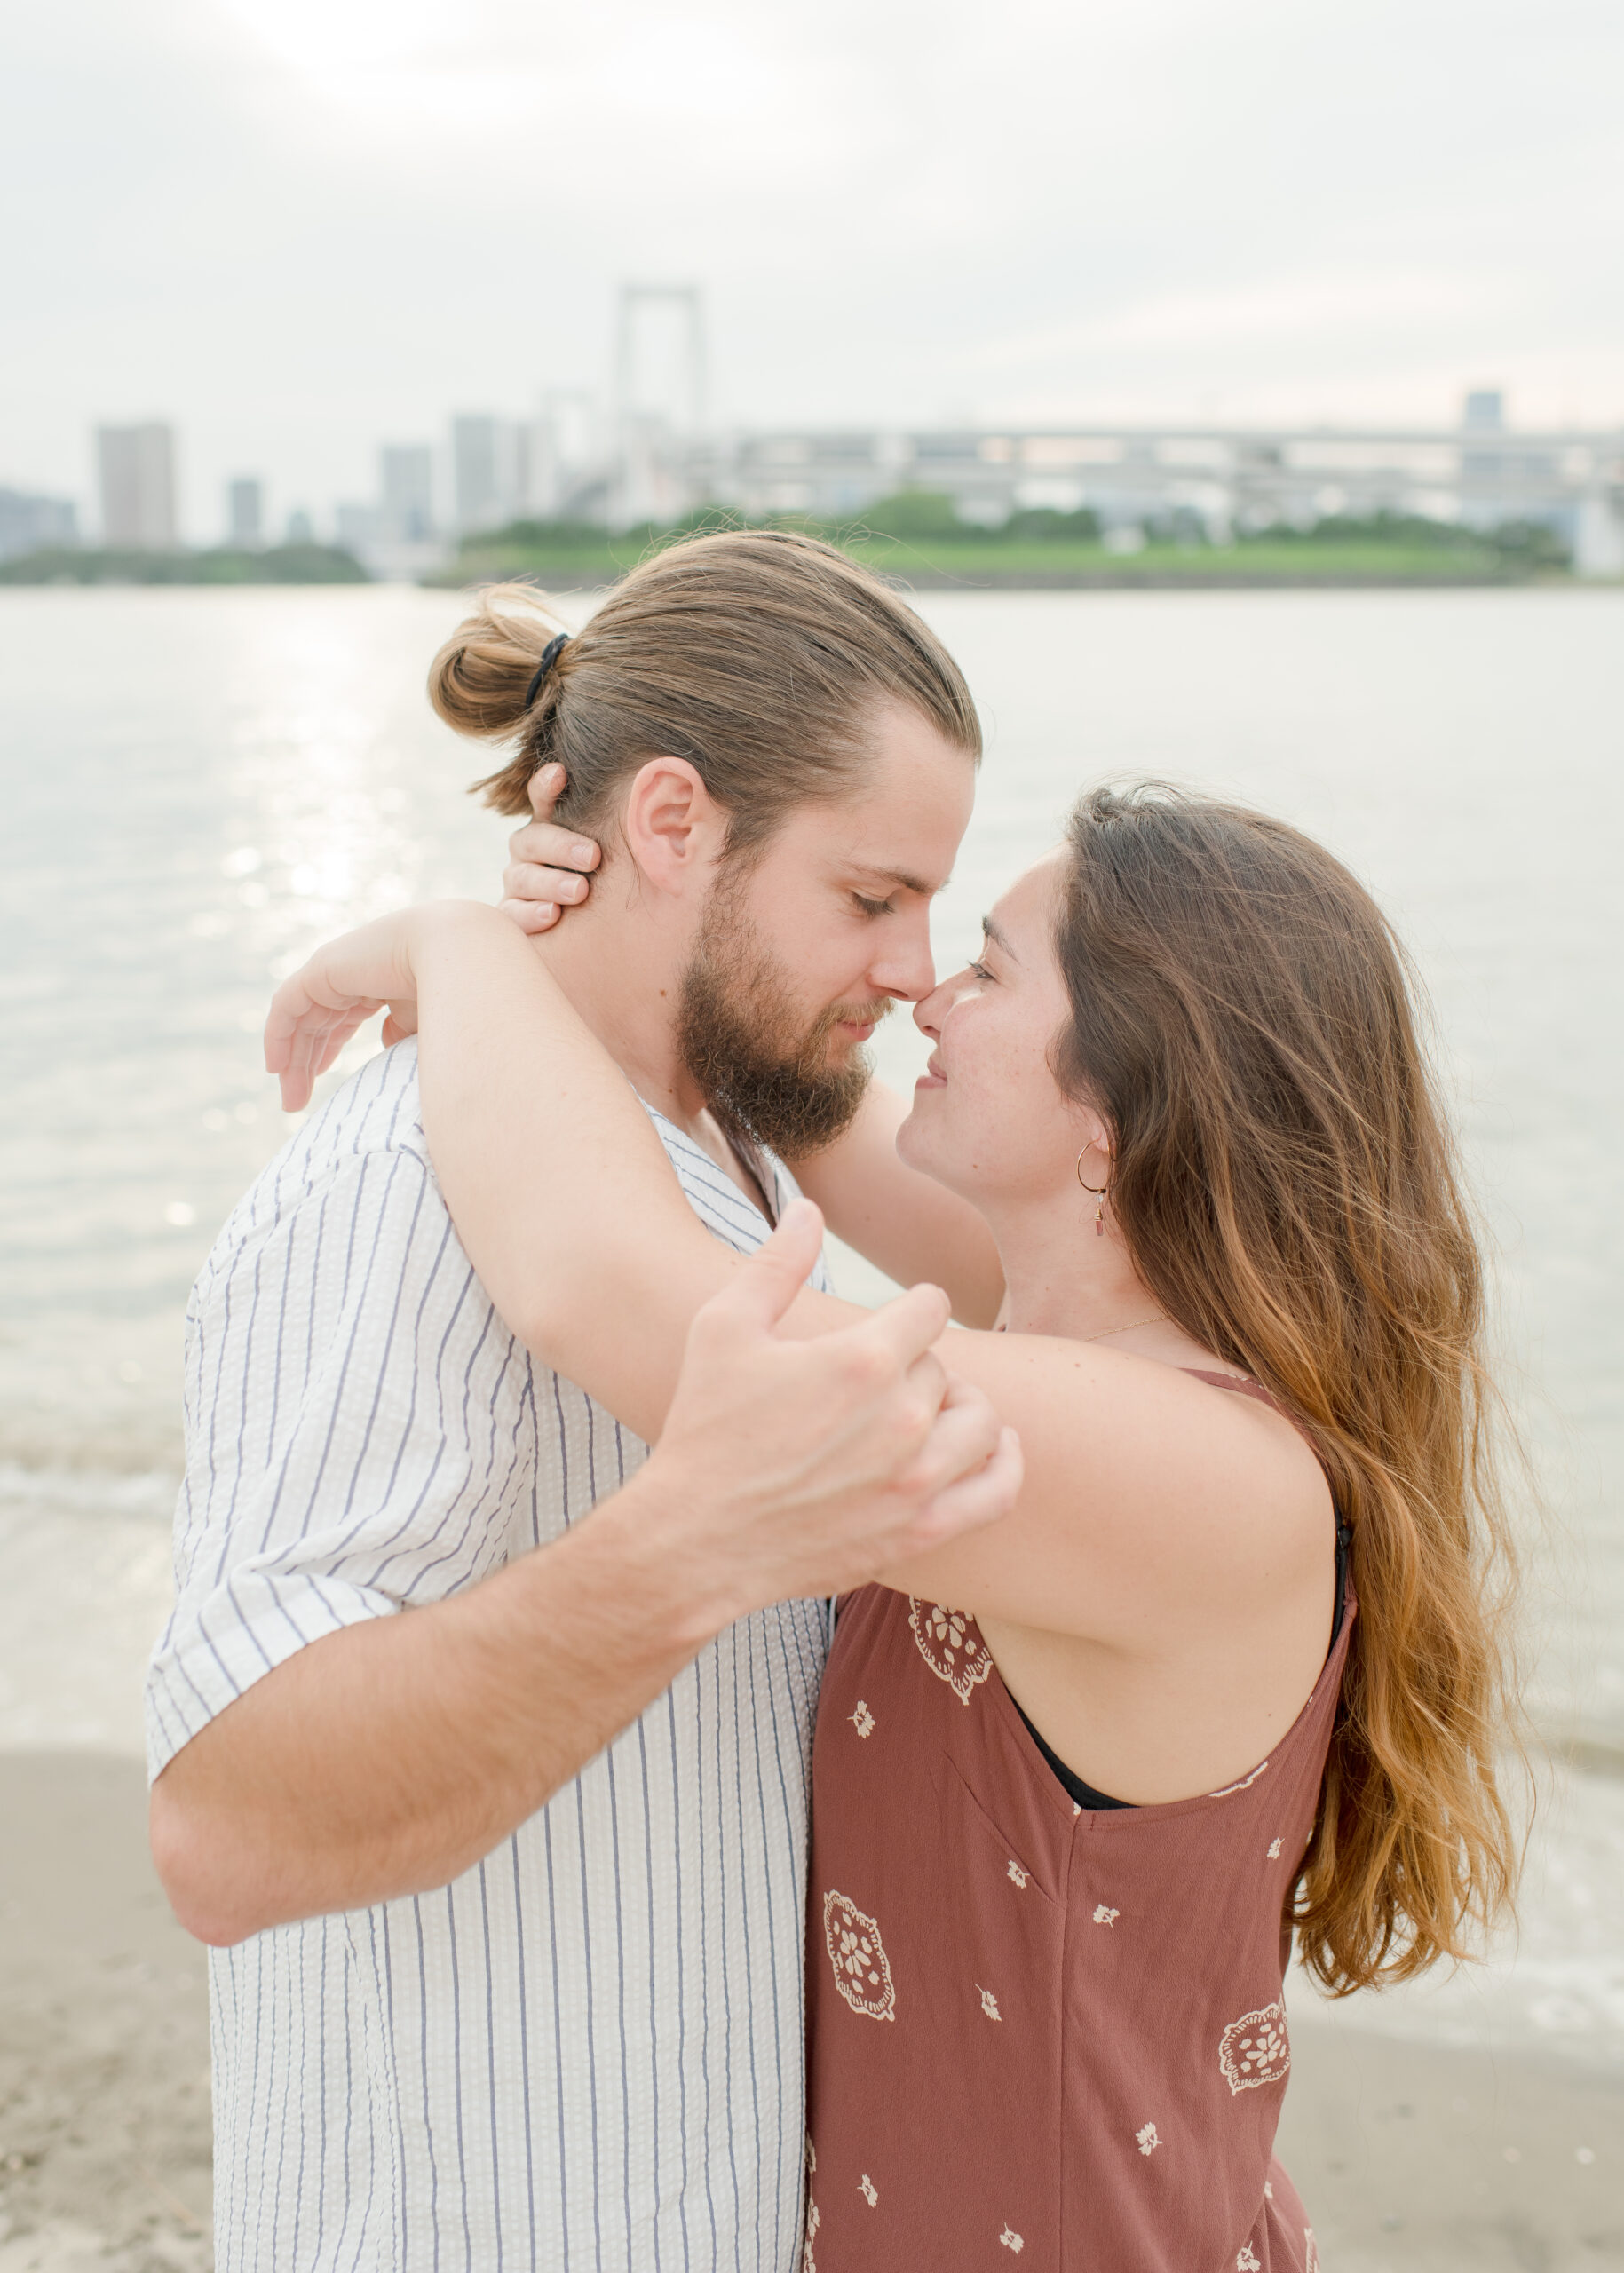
359	1434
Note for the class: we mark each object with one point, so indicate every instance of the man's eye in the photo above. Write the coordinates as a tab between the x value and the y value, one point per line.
872	906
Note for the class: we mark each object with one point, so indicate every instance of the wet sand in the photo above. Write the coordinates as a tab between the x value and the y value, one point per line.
1411	2159
103	2031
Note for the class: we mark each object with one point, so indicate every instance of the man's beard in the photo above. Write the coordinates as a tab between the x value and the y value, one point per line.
763	1073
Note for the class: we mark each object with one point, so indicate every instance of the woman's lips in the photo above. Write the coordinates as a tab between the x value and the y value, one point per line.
932	1078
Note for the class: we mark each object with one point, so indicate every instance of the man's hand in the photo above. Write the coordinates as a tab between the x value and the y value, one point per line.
547	867
806	1467
385	1758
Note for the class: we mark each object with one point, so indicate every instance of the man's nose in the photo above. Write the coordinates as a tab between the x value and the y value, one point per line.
906	967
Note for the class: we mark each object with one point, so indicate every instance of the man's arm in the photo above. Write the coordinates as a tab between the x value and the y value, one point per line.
388	1757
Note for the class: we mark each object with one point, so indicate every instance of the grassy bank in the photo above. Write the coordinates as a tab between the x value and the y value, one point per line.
278	564
932	549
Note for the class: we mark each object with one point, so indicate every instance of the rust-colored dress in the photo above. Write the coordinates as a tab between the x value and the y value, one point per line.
1038	2032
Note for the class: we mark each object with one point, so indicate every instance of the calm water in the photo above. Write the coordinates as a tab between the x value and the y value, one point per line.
200	785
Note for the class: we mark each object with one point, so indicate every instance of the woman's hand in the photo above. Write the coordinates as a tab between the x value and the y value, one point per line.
546	872
314	1013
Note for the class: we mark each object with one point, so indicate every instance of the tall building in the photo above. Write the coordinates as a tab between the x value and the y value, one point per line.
486	470
358	527
137	465
29	523
660	357
406	484
659	397
562	459
245	514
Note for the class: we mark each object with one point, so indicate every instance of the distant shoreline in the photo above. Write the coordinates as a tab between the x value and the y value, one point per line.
214	569
928	577
1028	567
573	576
1203	580
974	567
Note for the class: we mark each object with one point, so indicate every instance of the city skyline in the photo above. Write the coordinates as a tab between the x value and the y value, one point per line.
648	453
652	460
294	230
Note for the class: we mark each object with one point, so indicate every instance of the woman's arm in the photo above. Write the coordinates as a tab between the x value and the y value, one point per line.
1151	1502
903	1223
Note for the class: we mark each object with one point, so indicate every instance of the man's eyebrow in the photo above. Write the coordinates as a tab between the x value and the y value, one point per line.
900	880
999	936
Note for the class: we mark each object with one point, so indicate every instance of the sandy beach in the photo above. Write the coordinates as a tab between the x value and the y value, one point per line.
1412	2158
103	2031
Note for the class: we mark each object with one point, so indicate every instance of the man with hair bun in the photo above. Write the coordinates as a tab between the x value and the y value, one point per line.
506	1898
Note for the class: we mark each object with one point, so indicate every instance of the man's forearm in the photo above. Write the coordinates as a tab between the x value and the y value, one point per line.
386	1758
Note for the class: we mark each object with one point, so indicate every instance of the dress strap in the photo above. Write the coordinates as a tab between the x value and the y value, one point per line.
1244	1385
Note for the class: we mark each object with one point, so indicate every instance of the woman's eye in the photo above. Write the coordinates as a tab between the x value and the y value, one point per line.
980	971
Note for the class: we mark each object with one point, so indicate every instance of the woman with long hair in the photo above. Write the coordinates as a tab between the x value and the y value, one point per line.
1235	1667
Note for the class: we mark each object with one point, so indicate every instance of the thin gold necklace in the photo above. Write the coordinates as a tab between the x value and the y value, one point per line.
1109	1333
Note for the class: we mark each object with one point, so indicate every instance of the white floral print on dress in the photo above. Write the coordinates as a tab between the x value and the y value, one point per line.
1275	1850
862	1720
989	2004
1016	1873
869	2191
1254	2050
808	2264
1148	2139
1011	2240
1244	1785
862	1970
950	1643
1104	1915
1311	2258
1247	2259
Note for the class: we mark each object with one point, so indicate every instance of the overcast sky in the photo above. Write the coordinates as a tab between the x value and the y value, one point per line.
300	227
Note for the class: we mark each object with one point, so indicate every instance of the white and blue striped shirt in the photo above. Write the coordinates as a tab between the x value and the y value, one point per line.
586	2053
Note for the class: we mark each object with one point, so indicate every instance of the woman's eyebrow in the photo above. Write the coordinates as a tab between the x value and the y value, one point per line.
999	936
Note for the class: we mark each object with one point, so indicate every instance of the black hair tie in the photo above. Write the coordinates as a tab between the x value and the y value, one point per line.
550	656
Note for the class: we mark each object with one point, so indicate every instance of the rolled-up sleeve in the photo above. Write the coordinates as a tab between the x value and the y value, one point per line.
358	1427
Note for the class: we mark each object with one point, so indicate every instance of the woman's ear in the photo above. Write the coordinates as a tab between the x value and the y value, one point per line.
673	826
1095	1163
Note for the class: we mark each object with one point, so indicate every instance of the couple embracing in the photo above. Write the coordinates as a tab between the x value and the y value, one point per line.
868	1831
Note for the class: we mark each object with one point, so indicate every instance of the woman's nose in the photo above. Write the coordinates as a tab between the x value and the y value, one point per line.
929	1010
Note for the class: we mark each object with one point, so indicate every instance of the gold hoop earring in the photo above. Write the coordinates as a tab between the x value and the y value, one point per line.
1095	1192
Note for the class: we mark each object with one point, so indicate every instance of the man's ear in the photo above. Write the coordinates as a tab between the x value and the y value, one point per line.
674	828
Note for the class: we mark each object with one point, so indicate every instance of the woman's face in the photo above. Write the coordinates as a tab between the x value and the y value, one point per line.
989	1119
